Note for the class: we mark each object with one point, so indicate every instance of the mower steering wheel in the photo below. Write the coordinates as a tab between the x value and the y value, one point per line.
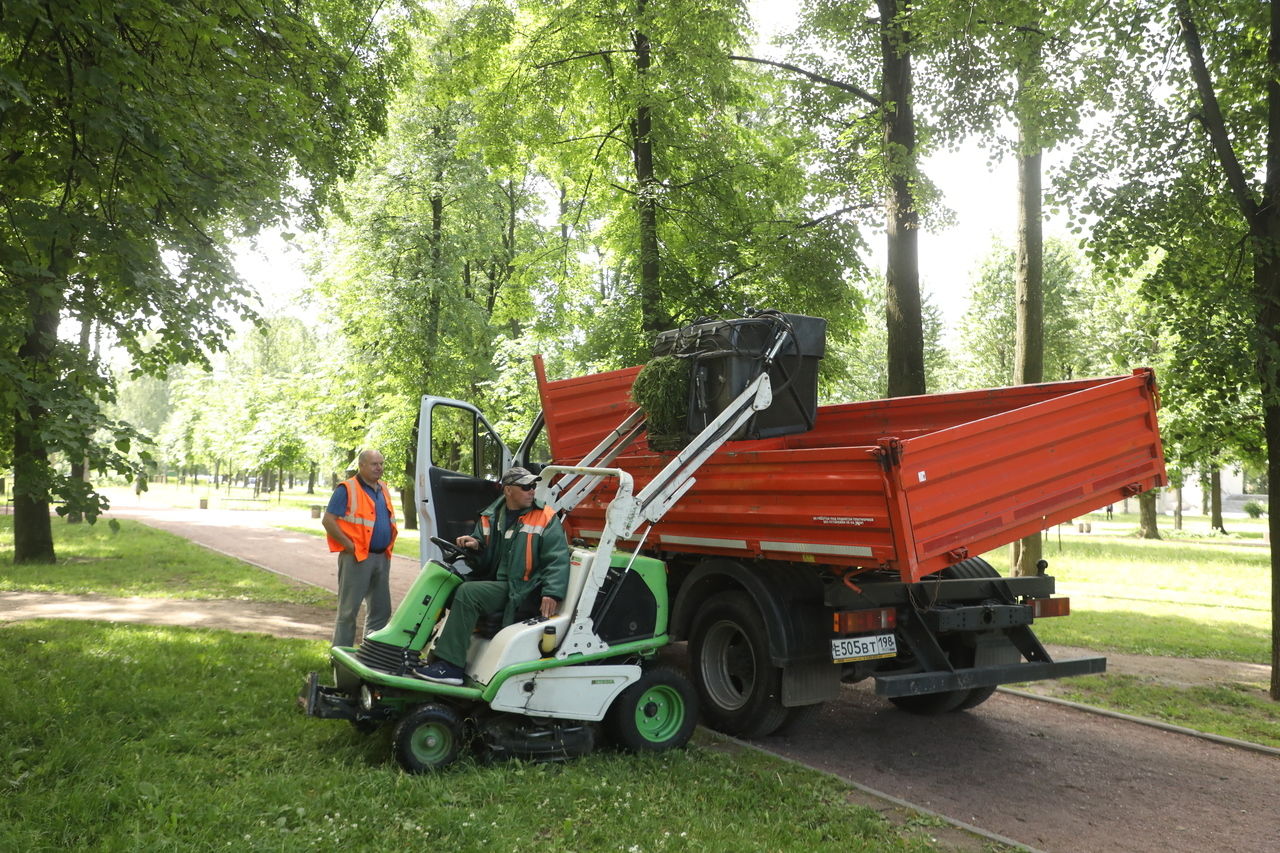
451	552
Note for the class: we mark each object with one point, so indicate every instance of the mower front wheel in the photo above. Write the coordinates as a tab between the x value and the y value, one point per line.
657	713
427	738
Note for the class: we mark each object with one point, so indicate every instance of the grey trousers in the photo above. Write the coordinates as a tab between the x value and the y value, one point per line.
368	581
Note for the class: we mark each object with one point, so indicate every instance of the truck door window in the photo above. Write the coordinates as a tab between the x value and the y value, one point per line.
463	443
490	454
453	439
540	448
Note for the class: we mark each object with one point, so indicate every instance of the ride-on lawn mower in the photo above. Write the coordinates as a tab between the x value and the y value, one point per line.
536	688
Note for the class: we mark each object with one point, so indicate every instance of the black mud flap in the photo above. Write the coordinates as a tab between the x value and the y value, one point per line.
917	683
326	702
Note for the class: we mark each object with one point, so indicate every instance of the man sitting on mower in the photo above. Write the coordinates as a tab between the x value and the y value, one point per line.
521	545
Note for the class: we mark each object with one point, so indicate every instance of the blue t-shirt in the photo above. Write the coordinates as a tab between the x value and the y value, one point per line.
381	515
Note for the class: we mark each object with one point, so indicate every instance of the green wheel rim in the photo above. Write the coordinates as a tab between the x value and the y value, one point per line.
431	743
660	713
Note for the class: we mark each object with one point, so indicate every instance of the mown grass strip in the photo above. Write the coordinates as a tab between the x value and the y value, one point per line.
1229	710
1208	599
171	738
127	558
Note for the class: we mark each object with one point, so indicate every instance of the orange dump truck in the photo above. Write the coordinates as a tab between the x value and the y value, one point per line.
849	550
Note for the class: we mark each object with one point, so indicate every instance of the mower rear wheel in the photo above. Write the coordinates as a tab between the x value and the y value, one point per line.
427	738
657	713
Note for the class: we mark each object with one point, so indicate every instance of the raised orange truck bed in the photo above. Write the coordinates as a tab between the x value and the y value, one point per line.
911	484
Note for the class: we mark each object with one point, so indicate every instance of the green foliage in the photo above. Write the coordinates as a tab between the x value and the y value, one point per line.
1253	509
987	332
139	138
1150	187
856	368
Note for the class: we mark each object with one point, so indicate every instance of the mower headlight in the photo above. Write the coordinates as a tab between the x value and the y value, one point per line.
367	697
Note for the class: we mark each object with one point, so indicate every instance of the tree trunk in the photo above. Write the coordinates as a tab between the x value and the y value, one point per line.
902	271
1147	516
311	479
653	314
1028	345
1271	424
80	466
1177	508
32	530
1215	501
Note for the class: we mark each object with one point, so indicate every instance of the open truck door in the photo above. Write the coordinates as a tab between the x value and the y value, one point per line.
460	459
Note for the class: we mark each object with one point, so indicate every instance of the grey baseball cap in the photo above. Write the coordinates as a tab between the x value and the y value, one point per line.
518	476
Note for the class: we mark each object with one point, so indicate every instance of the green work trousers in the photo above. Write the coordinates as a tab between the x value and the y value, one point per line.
473	600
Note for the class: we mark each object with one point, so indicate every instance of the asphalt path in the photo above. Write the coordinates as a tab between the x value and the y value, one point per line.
251	536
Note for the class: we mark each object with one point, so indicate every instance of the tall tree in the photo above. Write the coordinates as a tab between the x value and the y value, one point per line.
680	171
872	146
1196	140
137	140
989	329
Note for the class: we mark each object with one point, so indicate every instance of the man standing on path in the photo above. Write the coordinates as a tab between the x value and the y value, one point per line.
361	525
522	547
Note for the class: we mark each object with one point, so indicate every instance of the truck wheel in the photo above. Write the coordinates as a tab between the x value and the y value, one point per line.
739	687
657	713
427	738
954	700
974	567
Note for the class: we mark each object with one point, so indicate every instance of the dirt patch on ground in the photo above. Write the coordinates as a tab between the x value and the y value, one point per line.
278	619
1175	672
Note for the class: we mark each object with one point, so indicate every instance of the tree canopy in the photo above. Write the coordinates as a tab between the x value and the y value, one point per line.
137	140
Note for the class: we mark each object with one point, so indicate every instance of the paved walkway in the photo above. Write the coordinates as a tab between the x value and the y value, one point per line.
249	535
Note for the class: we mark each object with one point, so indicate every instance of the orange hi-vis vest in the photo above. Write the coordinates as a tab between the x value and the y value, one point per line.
360	517
532	524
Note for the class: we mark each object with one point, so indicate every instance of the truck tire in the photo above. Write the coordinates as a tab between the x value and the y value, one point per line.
739	687
961	656
974	567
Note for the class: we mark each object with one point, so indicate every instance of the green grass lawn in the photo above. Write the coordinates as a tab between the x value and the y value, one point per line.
1204	597
120	737
129	558
188	496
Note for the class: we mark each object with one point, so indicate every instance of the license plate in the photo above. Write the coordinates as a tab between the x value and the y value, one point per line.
863	648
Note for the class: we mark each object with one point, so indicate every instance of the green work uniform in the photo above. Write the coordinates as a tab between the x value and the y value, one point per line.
526	561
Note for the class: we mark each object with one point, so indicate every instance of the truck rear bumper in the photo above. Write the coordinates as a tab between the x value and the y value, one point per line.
919	683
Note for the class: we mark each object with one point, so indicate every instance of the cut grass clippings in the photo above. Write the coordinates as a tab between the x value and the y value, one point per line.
120	737
129	558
